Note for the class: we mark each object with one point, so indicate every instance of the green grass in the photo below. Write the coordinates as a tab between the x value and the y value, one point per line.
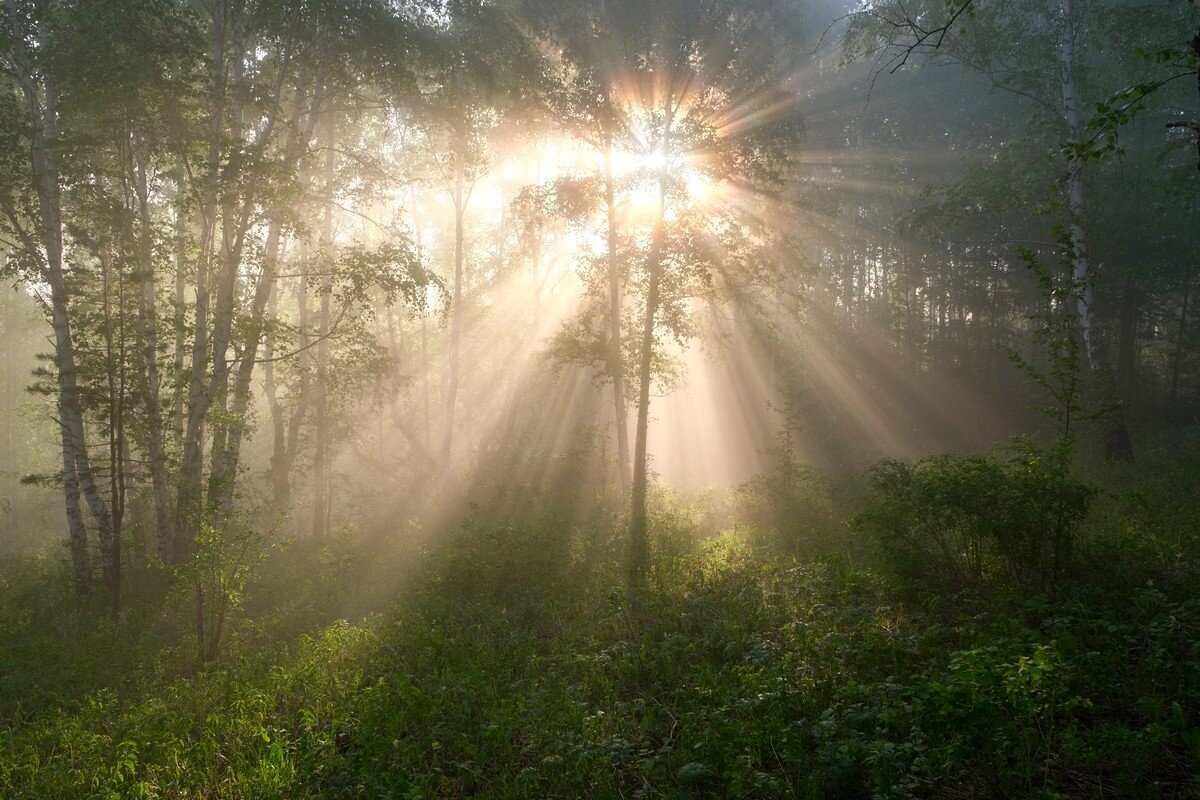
511	666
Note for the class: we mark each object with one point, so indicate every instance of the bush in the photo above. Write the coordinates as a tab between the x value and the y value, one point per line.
794	509
953	521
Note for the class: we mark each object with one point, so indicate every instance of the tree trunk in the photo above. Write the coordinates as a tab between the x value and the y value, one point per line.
1076	201
78	476
180	324
616	357
223	471
164	532
419	238
1117	443
639	549
1181	330
77	544
114	364
287	431
320	524
456	311
227	456
1127	340
200	392
425	378
278	424
211	389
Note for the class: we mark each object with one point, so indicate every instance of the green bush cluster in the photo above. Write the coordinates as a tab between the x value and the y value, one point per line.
951	521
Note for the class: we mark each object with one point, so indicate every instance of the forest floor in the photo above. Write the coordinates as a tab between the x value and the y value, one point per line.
511	664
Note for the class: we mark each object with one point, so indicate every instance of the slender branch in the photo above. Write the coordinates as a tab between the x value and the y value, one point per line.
330	335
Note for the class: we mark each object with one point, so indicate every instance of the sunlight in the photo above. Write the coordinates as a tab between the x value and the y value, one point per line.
490	201
643	198
700	189
630	162
654	161
640	170
728	396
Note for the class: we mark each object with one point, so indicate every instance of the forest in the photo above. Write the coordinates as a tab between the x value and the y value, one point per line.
599	398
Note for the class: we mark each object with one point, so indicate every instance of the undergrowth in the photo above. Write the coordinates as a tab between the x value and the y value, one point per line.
511	665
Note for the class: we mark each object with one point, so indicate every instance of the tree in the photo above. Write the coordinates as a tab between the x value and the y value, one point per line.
481	69
702	70
37	54
1037	52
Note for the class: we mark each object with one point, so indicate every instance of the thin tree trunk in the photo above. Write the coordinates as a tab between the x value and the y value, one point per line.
456	311
9	389
285	439
425	377
77	543
200	391
616	357
278	424
1117	442
321	440
110	539
1127	340
164	532
234	223
639	550
1181	329
1076	201
77	469
223	471
180	323
225	459
287	433
425	417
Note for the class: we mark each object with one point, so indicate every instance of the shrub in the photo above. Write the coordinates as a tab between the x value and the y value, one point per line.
953	521
791	507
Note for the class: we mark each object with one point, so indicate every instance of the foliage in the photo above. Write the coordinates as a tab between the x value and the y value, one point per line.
791	505
512	667
1056	339
225	554
254	208
957	521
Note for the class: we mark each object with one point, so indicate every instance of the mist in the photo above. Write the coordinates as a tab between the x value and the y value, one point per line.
419	343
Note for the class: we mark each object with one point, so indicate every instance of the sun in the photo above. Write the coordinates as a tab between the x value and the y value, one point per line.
642	167
630	162
654	161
